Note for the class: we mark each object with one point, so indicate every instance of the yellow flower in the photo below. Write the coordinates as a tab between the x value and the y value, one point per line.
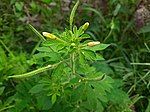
91	44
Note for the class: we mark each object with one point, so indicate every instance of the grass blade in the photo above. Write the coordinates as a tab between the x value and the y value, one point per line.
37	33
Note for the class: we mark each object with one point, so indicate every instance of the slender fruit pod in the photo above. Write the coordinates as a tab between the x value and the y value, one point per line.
91	44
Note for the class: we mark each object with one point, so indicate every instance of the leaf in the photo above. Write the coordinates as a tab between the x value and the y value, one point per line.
99	57
2	90
44	49
148	106
37	88
85	36
91	98
81	58
19	6
54	97
51	55
145	29
100	107
98	47
44	102
58	70
21	104
89	55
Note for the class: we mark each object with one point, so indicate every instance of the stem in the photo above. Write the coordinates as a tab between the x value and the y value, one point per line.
7	49
147	47
73	63
111	30
37	45
109	34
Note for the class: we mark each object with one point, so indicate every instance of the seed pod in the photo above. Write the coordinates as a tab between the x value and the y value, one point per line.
48	35
85	26
91	44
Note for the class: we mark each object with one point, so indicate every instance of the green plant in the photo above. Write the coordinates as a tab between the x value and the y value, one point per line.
69	81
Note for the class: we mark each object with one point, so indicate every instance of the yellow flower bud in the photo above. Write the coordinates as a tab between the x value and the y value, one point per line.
91	44
48	35
85	26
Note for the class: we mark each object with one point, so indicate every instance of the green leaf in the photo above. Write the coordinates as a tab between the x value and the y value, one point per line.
19	6
37	88
89	55
145	29
2	90
81	58
54	98
53	56
85	36
44	49
148	107
99	57
44	102
33	5
98	47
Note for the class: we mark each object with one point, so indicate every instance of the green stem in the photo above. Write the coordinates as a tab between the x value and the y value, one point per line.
37	45
109	34
73	63
7	49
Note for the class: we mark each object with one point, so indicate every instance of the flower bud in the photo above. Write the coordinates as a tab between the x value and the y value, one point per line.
85	26
48	35
91	44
